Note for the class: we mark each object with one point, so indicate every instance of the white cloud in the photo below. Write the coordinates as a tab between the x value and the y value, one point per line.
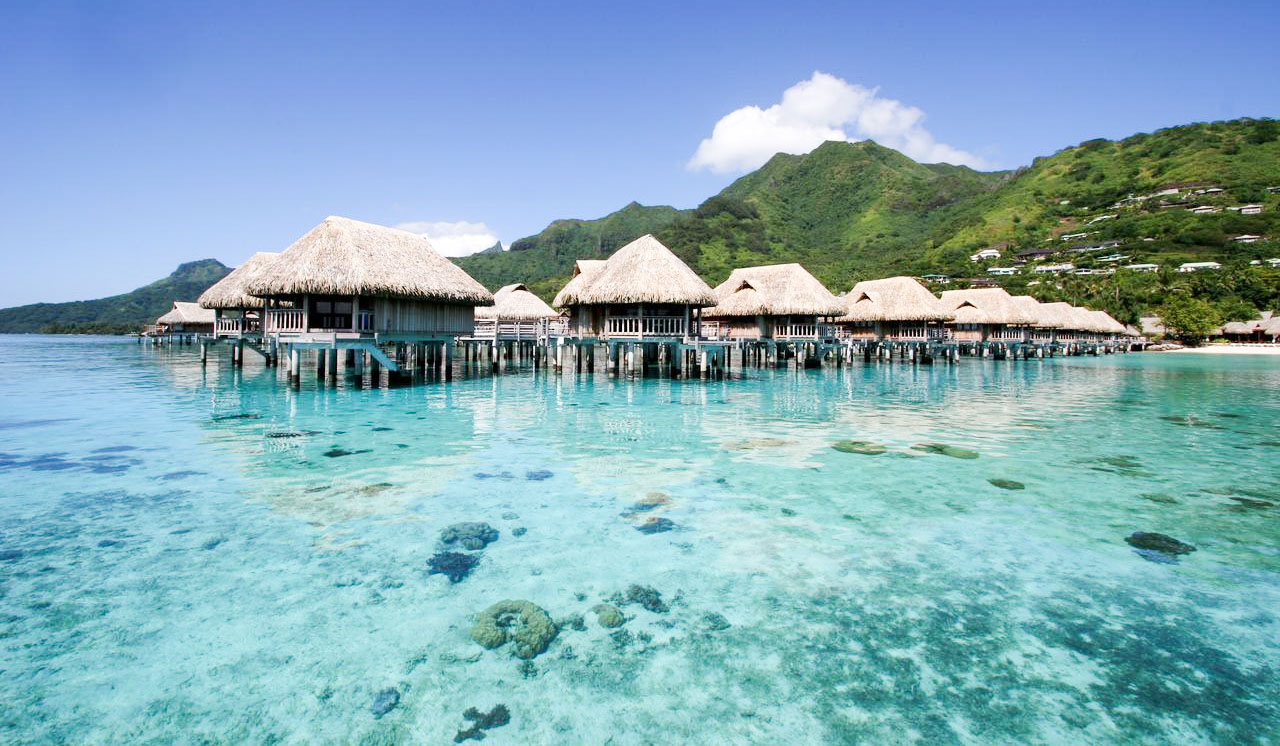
453	239
813	111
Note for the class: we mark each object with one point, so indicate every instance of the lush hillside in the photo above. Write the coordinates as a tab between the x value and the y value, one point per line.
849	211
846	211
1061	195
545	260
119	313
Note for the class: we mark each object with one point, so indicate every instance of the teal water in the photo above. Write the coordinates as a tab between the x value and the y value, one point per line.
169	573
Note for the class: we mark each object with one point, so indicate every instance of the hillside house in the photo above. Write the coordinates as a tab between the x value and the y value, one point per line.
1198	267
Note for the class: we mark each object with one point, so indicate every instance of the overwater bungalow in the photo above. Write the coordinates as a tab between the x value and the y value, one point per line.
1067	327
985	315
356	286
642	291
780	302
895	309
186	319
1046	319
1106	326
237	314
517	315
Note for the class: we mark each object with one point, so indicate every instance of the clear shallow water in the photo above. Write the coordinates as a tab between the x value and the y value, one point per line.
167	575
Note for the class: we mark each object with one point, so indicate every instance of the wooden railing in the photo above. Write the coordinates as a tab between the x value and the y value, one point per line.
286	320
235	327
294	321
795	331
645	326
521	330
1008	333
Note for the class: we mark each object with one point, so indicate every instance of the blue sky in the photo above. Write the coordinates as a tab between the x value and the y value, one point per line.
134	136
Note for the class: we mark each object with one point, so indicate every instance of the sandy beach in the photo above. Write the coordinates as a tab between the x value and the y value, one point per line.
1231	349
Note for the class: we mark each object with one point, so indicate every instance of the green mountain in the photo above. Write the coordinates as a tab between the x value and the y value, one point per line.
851	211
119	313
544	261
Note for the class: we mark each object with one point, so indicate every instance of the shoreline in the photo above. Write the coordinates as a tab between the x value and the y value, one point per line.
1229	349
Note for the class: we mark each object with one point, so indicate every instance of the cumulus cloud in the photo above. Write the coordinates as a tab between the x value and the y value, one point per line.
453	239
813	111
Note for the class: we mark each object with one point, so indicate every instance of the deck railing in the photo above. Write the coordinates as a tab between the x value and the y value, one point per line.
645	326
521	330
294	321
286	320
795	331
235	327
1008	333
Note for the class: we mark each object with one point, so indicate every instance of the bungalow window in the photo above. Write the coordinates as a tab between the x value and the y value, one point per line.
329	314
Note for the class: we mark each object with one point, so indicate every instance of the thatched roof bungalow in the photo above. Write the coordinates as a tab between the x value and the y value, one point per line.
186	317
235	311
986	314
345	278
584	271
642	290
894	308
777	301
516	303
516	315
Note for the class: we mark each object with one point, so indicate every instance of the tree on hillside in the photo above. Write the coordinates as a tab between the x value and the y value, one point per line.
1188	319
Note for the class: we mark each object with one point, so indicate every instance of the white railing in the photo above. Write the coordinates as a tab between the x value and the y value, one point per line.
521	330
235	327
1009	333
286	320
557	327
795	331
645	326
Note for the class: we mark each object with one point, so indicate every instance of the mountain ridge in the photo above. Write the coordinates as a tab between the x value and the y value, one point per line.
852	211
116	314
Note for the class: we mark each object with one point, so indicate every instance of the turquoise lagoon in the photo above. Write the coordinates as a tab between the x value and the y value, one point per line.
169	573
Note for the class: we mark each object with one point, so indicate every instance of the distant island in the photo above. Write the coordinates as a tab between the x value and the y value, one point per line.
1057	229
118	314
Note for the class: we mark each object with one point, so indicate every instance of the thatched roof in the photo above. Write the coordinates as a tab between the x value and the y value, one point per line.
185	312
1059	314
516	303
1151	325
643	271
1042	316
584	271
773	290
1105	324
1081	320
347	257
893	299
1132	330
985	306
229	291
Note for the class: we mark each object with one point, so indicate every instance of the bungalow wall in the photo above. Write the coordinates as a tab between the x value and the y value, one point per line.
407	316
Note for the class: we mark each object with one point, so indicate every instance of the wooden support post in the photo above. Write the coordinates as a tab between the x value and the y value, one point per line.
333	366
